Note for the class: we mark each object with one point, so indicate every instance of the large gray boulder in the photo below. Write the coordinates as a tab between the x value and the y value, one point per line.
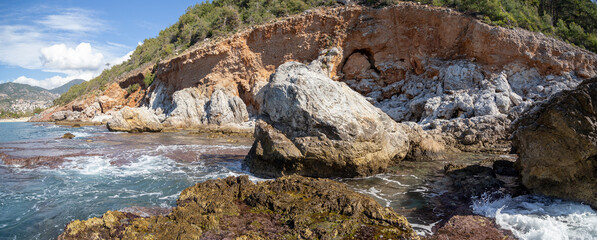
67	115
314	126
135	120
224	109
193	108
557	145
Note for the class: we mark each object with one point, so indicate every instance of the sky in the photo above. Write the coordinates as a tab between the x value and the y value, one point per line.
48	43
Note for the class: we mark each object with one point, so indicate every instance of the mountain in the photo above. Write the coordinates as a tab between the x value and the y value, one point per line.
16	97
64	88
12	90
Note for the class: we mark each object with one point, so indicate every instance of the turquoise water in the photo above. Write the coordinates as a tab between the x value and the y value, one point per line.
99	171
113	172
21	131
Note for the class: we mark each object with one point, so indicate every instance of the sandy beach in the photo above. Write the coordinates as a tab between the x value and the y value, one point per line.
24	119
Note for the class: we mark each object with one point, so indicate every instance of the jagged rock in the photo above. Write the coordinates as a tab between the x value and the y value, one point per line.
186	108
224	109
191	108
290	207
486	133
505	167
557	145
422	64
472	181
91	111
135	120
470	227
314	126
66	116
101	118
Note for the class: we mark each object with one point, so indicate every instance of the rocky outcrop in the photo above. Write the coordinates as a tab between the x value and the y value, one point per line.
135	120
191	108
65	116
472	181
471	227
434	66
314	126
557	145
290	207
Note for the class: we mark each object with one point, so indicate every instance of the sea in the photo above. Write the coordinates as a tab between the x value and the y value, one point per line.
47	181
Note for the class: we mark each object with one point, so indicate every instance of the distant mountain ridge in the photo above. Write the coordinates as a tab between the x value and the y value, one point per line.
13	90
64	88
17	97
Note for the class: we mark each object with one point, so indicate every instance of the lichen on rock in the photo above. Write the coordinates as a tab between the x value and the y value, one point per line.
291	207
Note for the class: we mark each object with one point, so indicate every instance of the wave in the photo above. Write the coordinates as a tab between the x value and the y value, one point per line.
538	217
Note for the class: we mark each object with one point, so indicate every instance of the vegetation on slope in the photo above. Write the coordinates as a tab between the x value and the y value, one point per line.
574	21
200	22
4	114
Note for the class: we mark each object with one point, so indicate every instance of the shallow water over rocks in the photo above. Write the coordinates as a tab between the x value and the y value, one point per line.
99	171
144	174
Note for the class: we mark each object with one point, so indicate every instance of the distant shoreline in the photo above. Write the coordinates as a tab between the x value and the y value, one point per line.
23	119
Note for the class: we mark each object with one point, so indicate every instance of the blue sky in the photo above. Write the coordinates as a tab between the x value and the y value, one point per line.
48	43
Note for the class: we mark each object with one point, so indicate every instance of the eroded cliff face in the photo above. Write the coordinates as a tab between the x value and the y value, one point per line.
440	68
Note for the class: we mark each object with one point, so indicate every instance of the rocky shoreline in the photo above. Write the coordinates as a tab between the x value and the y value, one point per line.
290	207
355	107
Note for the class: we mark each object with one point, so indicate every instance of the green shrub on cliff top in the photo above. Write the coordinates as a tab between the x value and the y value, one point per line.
574	21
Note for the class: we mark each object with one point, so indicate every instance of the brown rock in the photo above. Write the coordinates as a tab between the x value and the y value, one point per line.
557	145
355	65
397	40
290	207
470	227
68	135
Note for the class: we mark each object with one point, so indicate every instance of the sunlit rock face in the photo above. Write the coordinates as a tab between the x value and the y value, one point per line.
444	70
314	126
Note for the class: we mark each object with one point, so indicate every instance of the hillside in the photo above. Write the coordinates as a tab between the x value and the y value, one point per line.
337	91
443	69
19	98
570	20
64	88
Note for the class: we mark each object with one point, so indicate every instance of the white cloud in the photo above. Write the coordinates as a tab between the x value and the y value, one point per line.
80	73
59	43
76	20
20	46
61	58
48	83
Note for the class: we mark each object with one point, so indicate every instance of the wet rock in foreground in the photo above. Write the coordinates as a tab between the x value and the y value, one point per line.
470	227
290	207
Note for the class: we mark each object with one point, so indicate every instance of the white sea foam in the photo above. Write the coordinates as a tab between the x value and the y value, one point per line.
538	217
101	165
376	193
387	179
422	229
88	165
82	134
